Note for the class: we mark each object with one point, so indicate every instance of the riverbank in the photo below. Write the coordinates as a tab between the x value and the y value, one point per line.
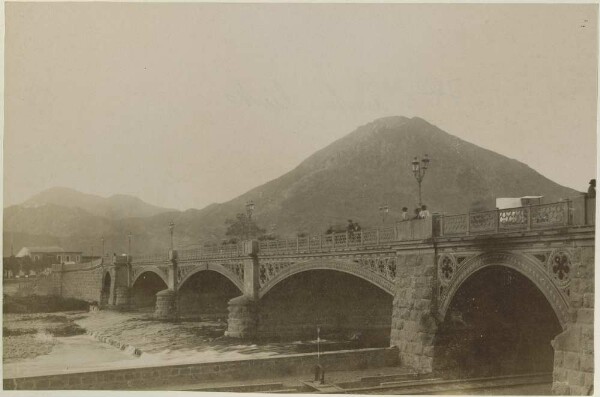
138	378
26	336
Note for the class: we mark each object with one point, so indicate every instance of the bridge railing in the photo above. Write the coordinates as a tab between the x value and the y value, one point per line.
500	220
151	258
217	251
343	240
578	211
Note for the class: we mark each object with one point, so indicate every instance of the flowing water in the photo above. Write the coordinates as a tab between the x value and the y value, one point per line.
121	340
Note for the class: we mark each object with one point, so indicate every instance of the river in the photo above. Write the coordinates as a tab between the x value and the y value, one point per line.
115	340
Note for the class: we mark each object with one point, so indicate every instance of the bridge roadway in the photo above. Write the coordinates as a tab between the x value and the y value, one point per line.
420	263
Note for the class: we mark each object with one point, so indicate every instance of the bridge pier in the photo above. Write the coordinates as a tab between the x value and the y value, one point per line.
166	305
119	291
243	311
414	324
166	300
243	318
574	347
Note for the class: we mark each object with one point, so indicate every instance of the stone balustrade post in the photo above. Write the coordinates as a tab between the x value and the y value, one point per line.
497	220
468	223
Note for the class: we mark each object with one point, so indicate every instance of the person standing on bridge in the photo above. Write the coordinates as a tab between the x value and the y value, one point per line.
404	216
350	228
591	193
424	213
417	213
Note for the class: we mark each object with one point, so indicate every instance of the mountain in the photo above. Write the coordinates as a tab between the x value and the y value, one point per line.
349	179
371	166
113	207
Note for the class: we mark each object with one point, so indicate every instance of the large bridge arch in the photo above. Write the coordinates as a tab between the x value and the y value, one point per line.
527	267
204	290
185	272
138	272
147	282
383	280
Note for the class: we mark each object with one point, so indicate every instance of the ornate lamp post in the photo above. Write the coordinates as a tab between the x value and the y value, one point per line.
129	235
171	228
249	208
418	169
383	210
249	211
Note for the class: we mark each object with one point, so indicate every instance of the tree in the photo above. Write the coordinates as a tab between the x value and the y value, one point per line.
243	228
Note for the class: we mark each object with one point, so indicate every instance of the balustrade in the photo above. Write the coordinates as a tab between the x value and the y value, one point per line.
521	218
152	258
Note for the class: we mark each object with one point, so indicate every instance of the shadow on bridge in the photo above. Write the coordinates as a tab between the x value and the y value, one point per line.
144	289
345	307
498	322
205	294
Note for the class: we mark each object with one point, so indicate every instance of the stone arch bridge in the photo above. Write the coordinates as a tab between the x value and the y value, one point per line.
421	264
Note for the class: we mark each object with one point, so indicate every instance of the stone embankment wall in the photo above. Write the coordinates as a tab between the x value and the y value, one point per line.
574	348
80	281
265	368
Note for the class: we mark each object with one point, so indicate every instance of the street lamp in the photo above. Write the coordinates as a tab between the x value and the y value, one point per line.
102	239
249	208
129	235
384	209
249	211
171	227
418	169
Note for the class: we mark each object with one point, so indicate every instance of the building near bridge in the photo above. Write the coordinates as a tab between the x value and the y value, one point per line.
54	254
31	261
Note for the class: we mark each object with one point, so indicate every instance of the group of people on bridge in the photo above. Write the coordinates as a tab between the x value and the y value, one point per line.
420	213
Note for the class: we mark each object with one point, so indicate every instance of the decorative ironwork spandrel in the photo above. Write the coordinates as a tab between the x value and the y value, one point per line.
237	268
560	267
269	269
183	271
446	269
382	265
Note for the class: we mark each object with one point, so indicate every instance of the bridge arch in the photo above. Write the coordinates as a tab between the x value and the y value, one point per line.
189	270
147	282
351	267
527	267
152	269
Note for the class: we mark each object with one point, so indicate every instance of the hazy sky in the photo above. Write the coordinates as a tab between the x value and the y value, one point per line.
183	105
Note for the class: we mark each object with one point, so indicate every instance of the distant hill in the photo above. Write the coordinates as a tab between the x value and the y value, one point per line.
113	207
348	179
